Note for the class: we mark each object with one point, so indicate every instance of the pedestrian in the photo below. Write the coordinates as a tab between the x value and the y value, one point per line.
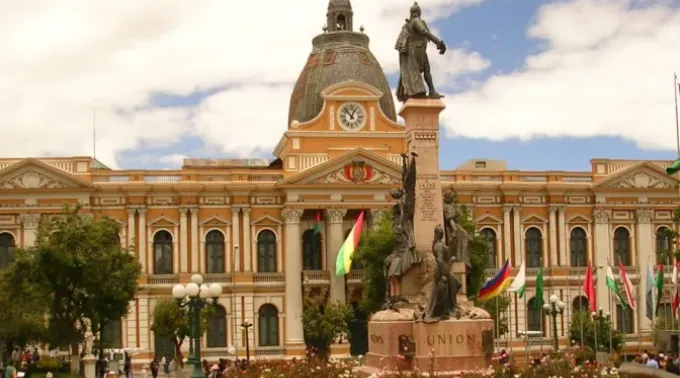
10	370
154	368
145	371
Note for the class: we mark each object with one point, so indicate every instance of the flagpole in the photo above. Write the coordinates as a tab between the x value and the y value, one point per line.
580	303
526	328
609	302
639	303
675	97
497	328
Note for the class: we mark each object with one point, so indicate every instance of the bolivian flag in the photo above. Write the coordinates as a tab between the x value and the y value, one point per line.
343	264
497	285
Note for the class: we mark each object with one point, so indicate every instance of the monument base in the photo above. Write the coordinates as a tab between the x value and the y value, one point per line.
448	347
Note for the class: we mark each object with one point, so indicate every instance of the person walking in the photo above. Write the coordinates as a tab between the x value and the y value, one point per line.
10	370
154	368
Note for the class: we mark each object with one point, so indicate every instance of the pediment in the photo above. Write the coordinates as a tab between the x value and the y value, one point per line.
533	218
215	219
578	218
118	221
266	220
30	174
358	166
642	175
162	221
488	218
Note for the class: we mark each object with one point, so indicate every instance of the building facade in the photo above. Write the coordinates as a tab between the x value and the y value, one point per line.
247	223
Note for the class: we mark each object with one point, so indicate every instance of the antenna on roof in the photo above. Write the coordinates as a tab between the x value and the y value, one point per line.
94	132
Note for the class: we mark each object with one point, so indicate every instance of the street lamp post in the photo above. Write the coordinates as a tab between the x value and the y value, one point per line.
556	307
598	317
195	296
246	326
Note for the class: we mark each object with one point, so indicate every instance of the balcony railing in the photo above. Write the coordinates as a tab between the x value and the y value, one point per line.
269	351
163	279
356	277
316	277
219	277
269	278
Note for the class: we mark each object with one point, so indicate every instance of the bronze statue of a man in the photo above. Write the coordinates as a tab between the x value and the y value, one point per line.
455	236
445	287
413	60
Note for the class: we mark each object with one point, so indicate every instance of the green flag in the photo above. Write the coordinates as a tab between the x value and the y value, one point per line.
673	168
538	299
611	284
659	286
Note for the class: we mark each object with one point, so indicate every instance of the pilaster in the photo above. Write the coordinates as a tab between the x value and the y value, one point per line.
645	256
184	240
247	257
518	237
30	223
236	238
603	252
142	240
131	227
335	218
553	235
507	246
562	234
195	267
293	267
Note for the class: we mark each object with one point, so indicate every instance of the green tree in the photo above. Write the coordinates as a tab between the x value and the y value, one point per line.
582	323
171	321
498	309
22	307
374	247
85	277
322	327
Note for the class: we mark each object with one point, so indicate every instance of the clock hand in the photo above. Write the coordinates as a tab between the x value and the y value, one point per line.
348	113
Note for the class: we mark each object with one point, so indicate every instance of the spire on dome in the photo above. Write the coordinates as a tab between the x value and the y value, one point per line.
339	16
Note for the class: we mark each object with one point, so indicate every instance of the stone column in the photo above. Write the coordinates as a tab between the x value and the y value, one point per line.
293	270
142	240
553	236
507	246
30	228
131	227
247	257
236	238
422	137
516	224
376	217
603	252
562	227
184	240
195	268
645	255
335	238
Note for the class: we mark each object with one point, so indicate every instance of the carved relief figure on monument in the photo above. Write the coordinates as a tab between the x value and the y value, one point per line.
457	238
414	65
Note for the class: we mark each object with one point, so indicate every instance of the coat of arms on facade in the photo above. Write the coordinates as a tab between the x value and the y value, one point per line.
358	172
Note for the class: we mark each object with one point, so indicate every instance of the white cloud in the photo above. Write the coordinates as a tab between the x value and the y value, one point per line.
59	60
606	69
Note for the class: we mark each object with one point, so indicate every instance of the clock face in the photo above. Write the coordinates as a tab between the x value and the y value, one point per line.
352	116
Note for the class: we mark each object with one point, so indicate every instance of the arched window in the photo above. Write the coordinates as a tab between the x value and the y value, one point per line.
217	328
266	252
664	246
578	247
214	252
622	246
162	250
490	236
534	316
163	347
311	250
111	335
6	249
624	319
579	304
342	22
534	247
118	242
268	325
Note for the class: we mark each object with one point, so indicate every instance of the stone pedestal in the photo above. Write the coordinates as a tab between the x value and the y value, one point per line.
89	363
453	345
422	137
448	347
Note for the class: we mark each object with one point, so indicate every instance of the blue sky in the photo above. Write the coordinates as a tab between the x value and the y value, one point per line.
497	30
543	85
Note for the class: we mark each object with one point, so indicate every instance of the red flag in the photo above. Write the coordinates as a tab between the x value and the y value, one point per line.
589	289
674	281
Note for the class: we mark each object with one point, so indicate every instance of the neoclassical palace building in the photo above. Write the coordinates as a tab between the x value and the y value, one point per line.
247	224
